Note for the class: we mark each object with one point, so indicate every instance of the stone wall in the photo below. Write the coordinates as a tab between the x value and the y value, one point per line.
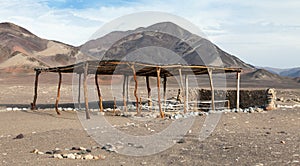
248	98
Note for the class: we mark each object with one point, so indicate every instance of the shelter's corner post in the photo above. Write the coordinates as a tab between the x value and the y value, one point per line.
86	90
135	89
210	72
124	93
238	79
165	92
99	93
158	69
149	92
58	93
36	82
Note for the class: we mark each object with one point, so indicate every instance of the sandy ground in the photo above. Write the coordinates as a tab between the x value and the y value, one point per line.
268	138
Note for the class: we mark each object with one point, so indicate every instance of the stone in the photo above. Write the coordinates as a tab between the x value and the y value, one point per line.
40	153
49	152
57	151
259	110
58	156
75	148
78	157
181	141
71	156
35	151
20	136
282	142
65	155
96	158
88	150
88	157
82	148
109	147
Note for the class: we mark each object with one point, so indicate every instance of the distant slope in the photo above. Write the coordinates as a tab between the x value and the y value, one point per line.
118	44
262	74
292	72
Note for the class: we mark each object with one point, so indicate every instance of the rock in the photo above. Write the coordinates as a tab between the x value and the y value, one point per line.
71	156
181	141
282	142
96	158
78	157
259	164
58	156
49	152
65	155
9	109
75	148
109	147
88	157
88	150
259	110
20	136
35	151
57	151
40	153
82	148
144	163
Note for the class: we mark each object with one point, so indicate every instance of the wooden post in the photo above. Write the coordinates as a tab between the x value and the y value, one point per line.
162	115
58	94
33	104
186	97
181	88
127	89
99	93
238	75
115	105
79	91
212	89
135	89
149	92
165	89
124	91
85	89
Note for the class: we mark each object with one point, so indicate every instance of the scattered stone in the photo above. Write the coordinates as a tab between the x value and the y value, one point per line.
49	152
282	142
75	148
181	141
82	148
78	157
96	158
4	154
35	151
71	156
20	136
144	163
259	164
109	147
88	157
40	153
88	150
57	151
259	110
58	156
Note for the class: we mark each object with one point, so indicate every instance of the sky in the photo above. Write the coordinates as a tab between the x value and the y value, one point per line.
260	32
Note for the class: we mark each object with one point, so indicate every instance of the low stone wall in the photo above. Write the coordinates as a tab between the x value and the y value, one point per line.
248	98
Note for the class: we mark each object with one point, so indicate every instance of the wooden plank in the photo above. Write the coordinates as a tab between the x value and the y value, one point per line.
149	92
79	91
135	89
186	96
127	90
85	90
36	82
58	94
124	93
212	89
99	93
165	90
238	75
162	115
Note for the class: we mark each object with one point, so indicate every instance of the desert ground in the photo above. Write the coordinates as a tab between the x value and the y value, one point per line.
260	138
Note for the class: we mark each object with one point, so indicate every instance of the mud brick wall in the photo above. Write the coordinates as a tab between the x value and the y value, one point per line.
248	98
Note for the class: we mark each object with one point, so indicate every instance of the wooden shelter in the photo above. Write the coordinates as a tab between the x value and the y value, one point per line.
127	68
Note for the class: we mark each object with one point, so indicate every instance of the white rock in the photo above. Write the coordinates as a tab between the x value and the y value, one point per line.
88	157
71	156
9	109
58	156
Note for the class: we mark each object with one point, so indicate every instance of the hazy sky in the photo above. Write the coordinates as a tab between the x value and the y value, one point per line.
260	32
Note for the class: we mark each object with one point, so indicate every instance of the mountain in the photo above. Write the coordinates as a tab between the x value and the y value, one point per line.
161	43
262	74
21	49
292	72
295	72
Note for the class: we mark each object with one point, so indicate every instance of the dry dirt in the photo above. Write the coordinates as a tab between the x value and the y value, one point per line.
268	138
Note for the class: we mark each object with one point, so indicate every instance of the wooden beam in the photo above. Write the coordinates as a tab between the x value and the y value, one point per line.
79	91
181	90
238	75
99	93
85	90
162	115
149	92
58	94
135	89
124	93
186	96
165	90
127	90
36	82
212	89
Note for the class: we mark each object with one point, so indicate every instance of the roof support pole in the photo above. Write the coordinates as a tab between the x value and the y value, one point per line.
135	89
99	93
186	97
79	91
238	75
85	90
33	104
212	89
124	92
149	92
181	88
58	94
162	115
165	90
127	90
